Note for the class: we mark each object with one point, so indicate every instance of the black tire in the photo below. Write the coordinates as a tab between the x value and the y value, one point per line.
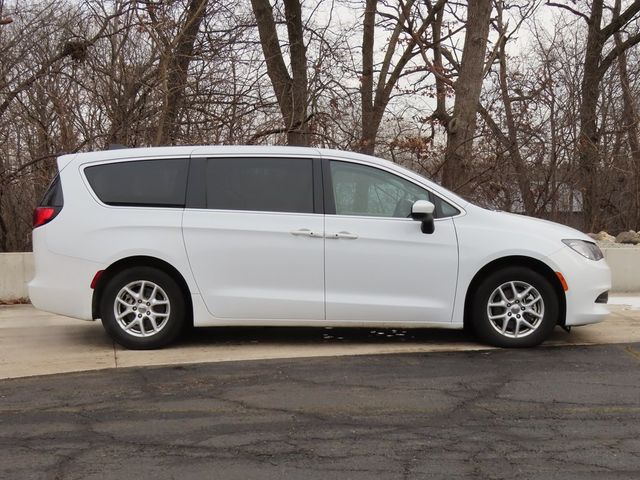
169	318
488	330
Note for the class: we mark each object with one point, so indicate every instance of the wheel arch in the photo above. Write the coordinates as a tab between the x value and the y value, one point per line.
140	261
521	261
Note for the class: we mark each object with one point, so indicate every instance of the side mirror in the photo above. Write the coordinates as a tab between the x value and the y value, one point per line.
422	210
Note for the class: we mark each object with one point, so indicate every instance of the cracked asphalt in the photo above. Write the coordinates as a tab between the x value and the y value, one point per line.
546	413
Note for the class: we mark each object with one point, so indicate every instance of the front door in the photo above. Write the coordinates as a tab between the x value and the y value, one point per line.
379	266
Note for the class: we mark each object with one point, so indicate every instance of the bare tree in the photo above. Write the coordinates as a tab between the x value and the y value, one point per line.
596	64
461	129
375	97
630	121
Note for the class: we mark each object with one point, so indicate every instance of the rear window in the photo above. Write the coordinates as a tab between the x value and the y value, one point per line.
144	183
53	195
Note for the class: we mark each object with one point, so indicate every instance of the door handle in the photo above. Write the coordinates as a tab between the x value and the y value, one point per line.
343	234
304	232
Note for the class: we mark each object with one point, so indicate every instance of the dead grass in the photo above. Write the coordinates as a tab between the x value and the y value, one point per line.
15	301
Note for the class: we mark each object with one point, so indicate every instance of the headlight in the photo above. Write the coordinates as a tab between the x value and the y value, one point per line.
587	249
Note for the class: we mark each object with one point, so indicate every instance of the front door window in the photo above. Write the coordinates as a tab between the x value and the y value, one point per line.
366	191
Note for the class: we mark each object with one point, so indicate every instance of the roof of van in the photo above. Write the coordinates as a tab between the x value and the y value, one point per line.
194	150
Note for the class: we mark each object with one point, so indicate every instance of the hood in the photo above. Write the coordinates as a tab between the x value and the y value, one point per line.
512	233
538	226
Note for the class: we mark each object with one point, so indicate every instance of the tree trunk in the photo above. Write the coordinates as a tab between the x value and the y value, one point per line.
462	127
368	140
291	90
175	68
588	138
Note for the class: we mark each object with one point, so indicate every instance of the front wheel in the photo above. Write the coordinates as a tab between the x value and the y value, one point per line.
515	307
142	308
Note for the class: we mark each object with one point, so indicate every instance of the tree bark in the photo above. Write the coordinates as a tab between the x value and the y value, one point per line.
588	138
175	67
291	90
462	127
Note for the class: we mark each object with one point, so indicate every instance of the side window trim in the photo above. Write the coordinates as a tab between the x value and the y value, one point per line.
329	198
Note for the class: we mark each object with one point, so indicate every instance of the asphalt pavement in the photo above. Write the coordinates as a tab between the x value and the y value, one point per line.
545	413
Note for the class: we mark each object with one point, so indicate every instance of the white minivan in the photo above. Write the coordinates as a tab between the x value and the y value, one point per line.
150	240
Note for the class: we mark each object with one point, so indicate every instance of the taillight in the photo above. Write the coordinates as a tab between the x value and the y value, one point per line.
43	215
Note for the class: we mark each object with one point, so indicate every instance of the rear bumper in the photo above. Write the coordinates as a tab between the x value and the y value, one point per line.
61	284
586	280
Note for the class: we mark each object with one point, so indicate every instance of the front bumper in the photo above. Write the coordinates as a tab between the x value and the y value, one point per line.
587	280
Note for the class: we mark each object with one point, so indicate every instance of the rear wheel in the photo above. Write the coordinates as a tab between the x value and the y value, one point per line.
514	307
142	308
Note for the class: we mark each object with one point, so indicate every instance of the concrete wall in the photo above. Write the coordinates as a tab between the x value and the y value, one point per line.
625	268
16	269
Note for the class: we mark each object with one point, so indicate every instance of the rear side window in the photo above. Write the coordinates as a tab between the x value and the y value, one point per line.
144	183
53	196
260	184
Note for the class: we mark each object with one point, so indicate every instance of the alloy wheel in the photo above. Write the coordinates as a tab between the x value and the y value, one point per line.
515	309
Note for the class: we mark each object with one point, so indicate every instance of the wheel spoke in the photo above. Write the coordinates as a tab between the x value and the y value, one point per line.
524	293
154	324
517	329
153	293
533	312
131	292
502	295
532	302
123	302
526	323
132	323
124	313
505	324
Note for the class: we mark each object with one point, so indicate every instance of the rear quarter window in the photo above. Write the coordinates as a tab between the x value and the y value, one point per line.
53	196
145	183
